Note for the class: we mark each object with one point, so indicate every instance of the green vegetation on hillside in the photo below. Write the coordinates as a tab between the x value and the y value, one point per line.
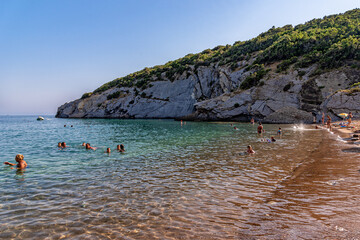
328	41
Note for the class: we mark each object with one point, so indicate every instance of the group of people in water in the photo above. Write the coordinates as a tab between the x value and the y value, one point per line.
119	148
21	164
260	131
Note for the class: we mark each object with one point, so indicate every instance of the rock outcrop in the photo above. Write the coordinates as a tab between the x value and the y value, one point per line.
287	74
212	93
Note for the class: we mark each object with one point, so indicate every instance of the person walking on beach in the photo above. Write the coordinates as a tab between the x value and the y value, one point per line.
349	116
21	163
328	122
323	119
260	129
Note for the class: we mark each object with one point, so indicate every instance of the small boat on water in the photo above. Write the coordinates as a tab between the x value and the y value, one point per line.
40	118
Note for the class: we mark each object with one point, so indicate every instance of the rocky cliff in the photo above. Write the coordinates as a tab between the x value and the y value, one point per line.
288	74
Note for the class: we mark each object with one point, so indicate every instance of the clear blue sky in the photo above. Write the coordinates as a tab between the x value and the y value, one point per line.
53	51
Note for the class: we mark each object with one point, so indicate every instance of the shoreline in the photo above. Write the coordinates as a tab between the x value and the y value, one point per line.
322	190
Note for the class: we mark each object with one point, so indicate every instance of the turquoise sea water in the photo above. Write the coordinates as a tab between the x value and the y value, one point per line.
175	181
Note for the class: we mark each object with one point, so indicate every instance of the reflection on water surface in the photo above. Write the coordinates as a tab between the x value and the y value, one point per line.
173	182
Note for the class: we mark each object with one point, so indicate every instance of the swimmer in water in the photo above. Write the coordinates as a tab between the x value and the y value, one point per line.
63	145
235	128
21	163
120	148
250	150
59	144
83	144
252	121
108	150
88	147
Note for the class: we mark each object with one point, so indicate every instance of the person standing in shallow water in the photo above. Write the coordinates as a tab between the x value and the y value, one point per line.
21	163
252	121
250	150
260	129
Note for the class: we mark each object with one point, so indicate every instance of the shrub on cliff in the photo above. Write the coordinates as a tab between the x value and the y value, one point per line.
254	78
86	95
329	41
113	95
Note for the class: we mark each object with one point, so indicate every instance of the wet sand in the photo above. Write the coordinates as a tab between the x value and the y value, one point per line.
320	199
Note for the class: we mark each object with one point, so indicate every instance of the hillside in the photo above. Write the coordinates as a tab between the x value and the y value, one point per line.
282	73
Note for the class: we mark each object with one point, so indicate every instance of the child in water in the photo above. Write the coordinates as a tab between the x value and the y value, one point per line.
250	150
21	163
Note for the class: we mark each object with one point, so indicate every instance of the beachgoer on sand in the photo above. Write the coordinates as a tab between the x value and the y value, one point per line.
273	139
21	162
323	118
328	122
348	117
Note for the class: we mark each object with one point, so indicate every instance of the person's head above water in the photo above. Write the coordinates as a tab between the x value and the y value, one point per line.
108	150
59	144
63	144
19	157
122	147
83	144
87	146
